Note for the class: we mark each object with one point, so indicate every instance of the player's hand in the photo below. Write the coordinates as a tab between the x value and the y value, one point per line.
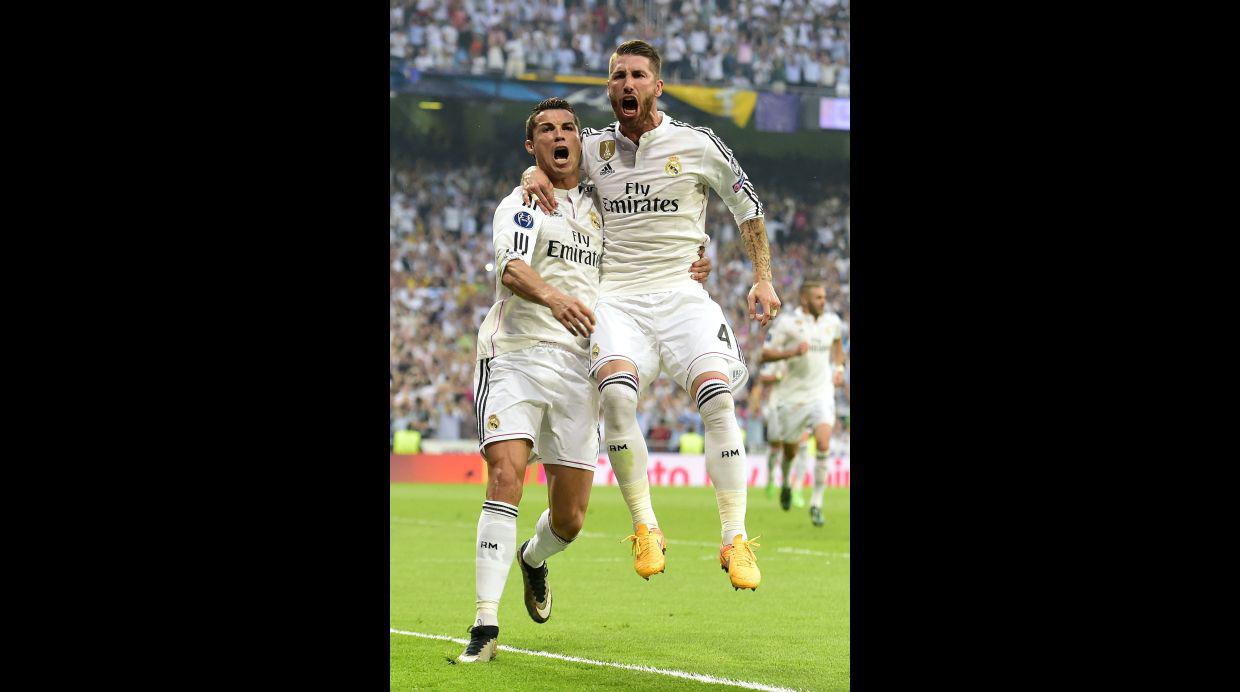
573	314
838	379
536	185
700	269
802	348
763	293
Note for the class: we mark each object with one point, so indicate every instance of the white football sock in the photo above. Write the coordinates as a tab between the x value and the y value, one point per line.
799	468
626	448
496	545
820	479
725	456
545	543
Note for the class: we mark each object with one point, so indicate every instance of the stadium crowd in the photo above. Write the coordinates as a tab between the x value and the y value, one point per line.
440	287
752	44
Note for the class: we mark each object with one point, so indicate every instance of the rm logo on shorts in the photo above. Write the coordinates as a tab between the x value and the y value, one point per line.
493	422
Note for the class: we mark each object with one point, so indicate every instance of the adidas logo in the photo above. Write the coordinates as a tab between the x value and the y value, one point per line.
607	170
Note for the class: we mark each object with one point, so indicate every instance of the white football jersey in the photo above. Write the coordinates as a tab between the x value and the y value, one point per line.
653	200
809	376
778	369
564	247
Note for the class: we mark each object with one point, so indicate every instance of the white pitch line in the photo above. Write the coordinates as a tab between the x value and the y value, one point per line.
627	666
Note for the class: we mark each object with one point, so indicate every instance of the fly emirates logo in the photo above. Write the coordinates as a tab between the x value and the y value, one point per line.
636	200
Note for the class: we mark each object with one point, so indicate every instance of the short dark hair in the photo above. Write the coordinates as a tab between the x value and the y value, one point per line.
639	47
550	104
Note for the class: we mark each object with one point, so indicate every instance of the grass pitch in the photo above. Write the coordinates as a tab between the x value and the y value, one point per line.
792	632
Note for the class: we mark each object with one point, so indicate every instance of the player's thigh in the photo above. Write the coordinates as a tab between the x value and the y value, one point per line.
695	339
822	421
622	335
509	399
506	462
569	435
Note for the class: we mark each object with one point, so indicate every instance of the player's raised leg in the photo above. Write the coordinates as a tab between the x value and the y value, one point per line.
496	542
725	464
568	494
627	453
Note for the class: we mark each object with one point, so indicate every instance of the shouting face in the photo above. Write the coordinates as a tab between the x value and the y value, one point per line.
556	145
632	89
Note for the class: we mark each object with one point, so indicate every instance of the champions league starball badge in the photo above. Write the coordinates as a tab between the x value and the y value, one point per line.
523	219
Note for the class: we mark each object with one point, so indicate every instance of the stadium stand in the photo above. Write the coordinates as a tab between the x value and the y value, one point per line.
758	44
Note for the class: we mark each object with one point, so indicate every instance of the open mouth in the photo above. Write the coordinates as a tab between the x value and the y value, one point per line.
628	105
560	154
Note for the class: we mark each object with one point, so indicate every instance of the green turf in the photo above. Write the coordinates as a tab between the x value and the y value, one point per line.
792	632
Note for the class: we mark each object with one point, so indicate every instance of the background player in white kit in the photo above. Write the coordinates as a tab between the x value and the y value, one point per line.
810	339
651	175
532	387
767	387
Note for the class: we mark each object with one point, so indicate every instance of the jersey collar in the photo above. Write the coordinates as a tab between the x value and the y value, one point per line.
665	123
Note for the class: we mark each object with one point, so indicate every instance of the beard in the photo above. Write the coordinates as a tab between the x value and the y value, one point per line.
645	110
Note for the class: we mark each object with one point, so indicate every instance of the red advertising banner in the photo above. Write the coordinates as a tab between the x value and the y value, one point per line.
662	469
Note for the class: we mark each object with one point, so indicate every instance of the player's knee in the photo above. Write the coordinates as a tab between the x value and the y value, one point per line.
504	483
715	405
618	394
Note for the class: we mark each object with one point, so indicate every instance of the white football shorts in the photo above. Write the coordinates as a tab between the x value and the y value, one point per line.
793	419
683	334
542	394
770	415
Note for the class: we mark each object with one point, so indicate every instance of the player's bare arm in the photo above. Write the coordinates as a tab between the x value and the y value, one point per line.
837	357
753	235
536	184
771	354
522	280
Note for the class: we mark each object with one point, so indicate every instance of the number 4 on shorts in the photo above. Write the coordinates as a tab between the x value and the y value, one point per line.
725	338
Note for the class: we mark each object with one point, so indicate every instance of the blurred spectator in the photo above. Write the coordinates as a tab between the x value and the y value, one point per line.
716	42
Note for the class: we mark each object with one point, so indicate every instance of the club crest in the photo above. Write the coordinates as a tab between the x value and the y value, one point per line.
595	221
607	149
673	166
594	351
493	422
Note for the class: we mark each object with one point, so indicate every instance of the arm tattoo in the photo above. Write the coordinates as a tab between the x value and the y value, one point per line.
753	233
